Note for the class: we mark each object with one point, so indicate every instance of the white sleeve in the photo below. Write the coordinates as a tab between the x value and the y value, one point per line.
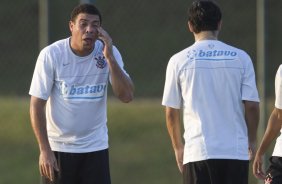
172	90
43	77
278	88
119	60
249	88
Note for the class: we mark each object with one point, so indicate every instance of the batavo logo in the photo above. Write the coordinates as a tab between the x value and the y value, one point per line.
215	53
85	92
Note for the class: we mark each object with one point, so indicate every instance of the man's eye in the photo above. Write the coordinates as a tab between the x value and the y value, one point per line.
83	24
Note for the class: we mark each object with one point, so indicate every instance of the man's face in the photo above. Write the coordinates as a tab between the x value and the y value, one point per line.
84	32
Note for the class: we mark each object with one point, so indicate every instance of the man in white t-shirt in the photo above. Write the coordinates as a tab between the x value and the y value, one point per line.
274	172
214	84
68	101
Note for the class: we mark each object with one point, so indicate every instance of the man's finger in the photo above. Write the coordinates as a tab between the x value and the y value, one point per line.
51	175
56	167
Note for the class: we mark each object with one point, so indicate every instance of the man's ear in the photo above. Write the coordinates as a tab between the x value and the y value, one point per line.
71	26
190	27
219	25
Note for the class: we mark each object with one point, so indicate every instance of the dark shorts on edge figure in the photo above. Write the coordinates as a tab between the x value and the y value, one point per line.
216	171
82	168
274	172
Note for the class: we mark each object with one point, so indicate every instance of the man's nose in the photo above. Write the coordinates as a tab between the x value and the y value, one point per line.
91	29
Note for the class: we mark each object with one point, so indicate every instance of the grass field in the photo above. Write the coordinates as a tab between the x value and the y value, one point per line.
140	149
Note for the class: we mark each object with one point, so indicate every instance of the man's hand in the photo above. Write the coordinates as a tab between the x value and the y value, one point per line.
257	167
107	40
179	158
48	164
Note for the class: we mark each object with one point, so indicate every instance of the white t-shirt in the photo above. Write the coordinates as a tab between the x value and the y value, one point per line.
209	80
278	104
76	90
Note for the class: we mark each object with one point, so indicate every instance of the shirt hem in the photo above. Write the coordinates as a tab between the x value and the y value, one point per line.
71	150
171	106
214	157
251	99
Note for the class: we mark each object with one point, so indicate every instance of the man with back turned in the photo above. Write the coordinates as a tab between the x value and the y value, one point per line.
214	84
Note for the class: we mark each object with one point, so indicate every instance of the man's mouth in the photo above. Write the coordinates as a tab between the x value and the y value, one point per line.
88	40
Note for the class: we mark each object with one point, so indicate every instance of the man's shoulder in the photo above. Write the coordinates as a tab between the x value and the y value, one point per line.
181	54
227	46
54	52
56	46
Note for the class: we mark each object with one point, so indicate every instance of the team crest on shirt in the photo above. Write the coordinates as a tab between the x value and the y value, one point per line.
191	54
100	61
211	46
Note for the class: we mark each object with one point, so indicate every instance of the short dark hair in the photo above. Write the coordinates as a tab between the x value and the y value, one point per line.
204	15
85	8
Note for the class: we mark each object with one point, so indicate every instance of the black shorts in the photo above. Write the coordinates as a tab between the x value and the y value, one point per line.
216	171
82	168
274	172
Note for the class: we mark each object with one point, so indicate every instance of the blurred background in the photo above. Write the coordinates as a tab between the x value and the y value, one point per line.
147	33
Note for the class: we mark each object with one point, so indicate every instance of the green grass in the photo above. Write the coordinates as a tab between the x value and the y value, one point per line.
18	148
140	148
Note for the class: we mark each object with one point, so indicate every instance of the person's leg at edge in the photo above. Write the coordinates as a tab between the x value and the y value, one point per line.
274	172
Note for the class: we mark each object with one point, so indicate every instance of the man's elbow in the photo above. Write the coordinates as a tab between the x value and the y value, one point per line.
252	111
126	98
252	106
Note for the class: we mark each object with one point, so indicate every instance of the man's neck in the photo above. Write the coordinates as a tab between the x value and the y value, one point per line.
206	35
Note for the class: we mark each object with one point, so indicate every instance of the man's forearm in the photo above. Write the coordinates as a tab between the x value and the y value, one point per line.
122	85
252	120
38	122
174	128
272	130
